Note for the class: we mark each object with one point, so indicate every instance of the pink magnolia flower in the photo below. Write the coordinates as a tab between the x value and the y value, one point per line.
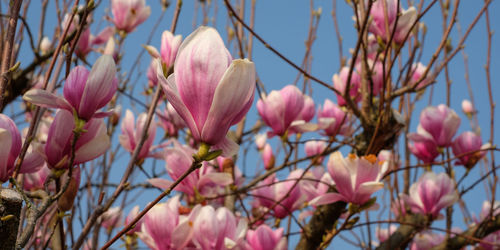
264	238
467	145
90	145
268	156
356	179
111	218
128	14
151	74
486	209
170	121
208	89
441	123
164	228
431	193
45	45
131	215
340	83
381	18
260	141
280	108
423	145
491	241
390	157
204	181
417	71
271	191
169	46
308	111
10	147
87	40
84	92
132	133
34	181
375	75
313	148
384	233
333	120
218	229
467	107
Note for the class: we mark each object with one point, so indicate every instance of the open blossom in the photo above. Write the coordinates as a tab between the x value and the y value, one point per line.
128	14
375	75
164	228
84	92
280	108
340	84
423	146
271	191
333	120
264	238
382	18
204	180
90	145
132	133
466	146
356	178
431	193
208	89
218	229
441	123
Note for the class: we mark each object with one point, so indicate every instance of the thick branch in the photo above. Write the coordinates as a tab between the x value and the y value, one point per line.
411	225
324	218
10	210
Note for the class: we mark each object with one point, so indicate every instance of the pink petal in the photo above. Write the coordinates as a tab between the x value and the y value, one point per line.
326	199
46	99
232	96
160	183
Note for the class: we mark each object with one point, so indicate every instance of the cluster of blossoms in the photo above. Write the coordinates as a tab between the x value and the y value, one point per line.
435	132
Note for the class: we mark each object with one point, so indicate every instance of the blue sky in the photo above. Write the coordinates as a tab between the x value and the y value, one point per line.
284	25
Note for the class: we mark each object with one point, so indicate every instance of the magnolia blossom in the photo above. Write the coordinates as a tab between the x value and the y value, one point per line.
390	157
333	120
271	191
268	156
441	123
204	181
131	216
90	145
87	40
132	133
467	107
313	148
10	143
431	193
169	46
466	147
84	92
45	45
208	89
423	145
170	121
164	228
218	229
264	238
417	71
128	14
340	84
382	19
34	181
356	178
280	108
384	233
260	141
374	74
